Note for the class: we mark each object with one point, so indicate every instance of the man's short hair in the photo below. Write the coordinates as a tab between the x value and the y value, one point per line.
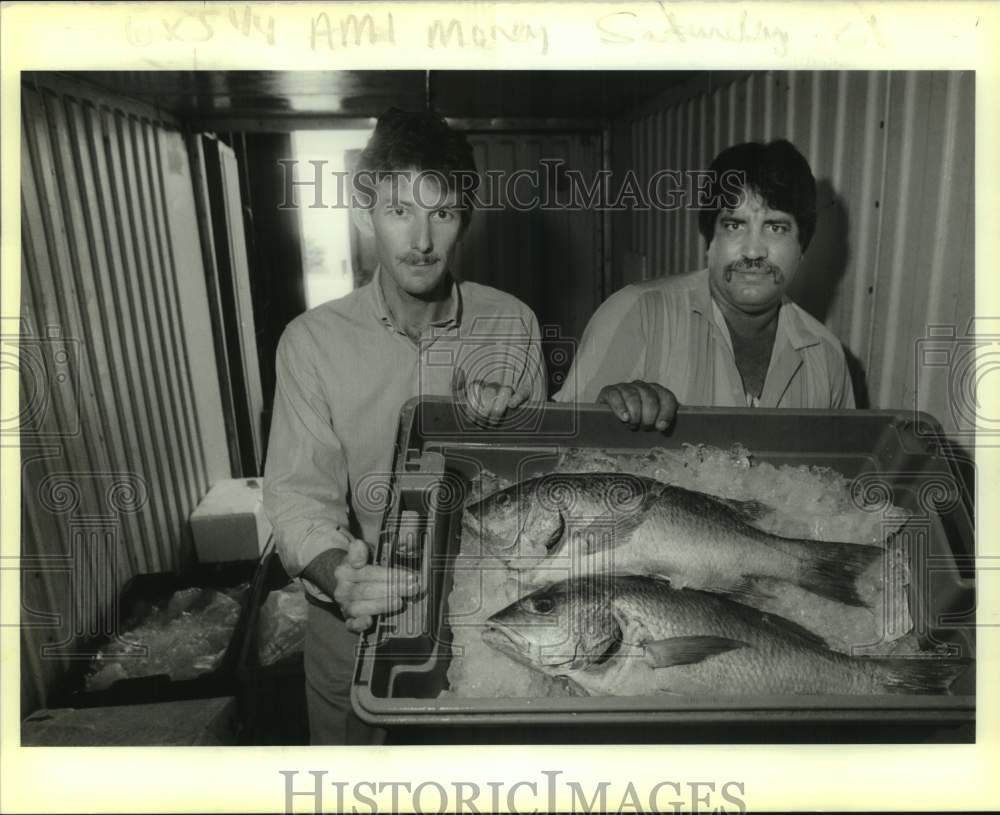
421	141
775	171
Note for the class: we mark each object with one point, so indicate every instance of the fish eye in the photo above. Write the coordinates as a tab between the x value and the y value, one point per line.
543	605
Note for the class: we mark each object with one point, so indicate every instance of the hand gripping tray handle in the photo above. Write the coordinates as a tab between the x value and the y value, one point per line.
421	497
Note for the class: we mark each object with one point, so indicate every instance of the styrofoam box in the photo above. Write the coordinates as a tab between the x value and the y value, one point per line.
229	523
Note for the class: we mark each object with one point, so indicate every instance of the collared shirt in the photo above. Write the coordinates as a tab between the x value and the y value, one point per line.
671	331
344	370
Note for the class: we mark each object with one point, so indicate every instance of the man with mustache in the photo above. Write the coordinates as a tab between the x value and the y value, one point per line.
725	335
344	371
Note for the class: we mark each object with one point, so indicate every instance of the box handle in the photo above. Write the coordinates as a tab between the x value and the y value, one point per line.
421	492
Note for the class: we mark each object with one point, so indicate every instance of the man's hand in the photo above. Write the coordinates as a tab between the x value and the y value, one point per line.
360	588
488	402
364	589
640	404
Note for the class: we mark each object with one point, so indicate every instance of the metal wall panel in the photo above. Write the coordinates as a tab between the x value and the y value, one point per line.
893	255
121	427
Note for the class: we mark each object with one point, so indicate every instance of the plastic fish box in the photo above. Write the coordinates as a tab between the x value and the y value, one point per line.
402	664
272	698
140	596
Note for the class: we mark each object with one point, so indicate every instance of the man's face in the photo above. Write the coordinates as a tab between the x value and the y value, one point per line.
753	256
417	225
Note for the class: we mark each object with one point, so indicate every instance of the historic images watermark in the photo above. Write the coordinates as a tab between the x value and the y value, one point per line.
68	594
549	187
547	792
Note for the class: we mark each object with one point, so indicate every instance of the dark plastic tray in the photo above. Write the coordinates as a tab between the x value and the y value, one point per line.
402	666
271	698
139	596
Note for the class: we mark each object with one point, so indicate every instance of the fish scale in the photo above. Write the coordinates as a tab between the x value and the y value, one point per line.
582	523
640	636
664	613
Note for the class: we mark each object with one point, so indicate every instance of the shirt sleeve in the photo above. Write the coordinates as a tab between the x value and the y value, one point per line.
534	377
842	392
613	349
305	478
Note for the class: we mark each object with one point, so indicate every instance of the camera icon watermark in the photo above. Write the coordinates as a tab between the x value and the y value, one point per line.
958	364
47	367
497	378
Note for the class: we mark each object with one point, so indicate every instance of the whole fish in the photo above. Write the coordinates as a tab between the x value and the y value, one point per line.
624	636
587	523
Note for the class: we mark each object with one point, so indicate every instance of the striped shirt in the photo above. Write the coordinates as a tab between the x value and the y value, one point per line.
344	371
671	331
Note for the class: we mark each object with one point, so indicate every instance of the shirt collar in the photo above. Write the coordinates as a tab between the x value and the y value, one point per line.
790	322
452	318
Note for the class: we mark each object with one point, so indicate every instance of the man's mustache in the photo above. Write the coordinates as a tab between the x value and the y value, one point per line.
761	267
417	259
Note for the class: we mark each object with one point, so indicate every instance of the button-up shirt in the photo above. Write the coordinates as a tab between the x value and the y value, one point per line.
671	331
344	371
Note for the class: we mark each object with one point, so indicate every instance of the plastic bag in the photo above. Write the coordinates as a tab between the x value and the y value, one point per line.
282	629
184	639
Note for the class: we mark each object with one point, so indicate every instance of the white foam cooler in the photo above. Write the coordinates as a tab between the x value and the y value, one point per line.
229	523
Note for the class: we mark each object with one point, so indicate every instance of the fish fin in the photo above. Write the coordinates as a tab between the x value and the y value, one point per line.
922	674
749	510
688	650
614	527
557	534
609	531
831	569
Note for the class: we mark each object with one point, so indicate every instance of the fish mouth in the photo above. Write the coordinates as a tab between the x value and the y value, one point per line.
508	641
470	523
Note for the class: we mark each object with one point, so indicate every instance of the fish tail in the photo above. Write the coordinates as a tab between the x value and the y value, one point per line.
832	569
921	674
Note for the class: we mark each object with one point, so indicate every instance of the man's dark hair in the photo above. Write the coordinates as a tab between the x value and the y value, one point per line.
424	142
775	171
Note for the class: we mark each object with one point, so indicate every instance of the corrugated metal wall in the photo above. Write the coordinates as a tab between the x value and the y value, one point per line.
892	153
121	423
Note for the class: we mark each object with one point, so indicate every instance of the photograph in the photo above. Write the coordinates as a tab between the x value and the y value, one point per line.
603	342
510	407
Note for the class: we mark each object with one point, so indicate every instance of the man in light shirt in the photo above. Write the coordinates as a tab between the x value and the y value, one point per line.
725	335
346	368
